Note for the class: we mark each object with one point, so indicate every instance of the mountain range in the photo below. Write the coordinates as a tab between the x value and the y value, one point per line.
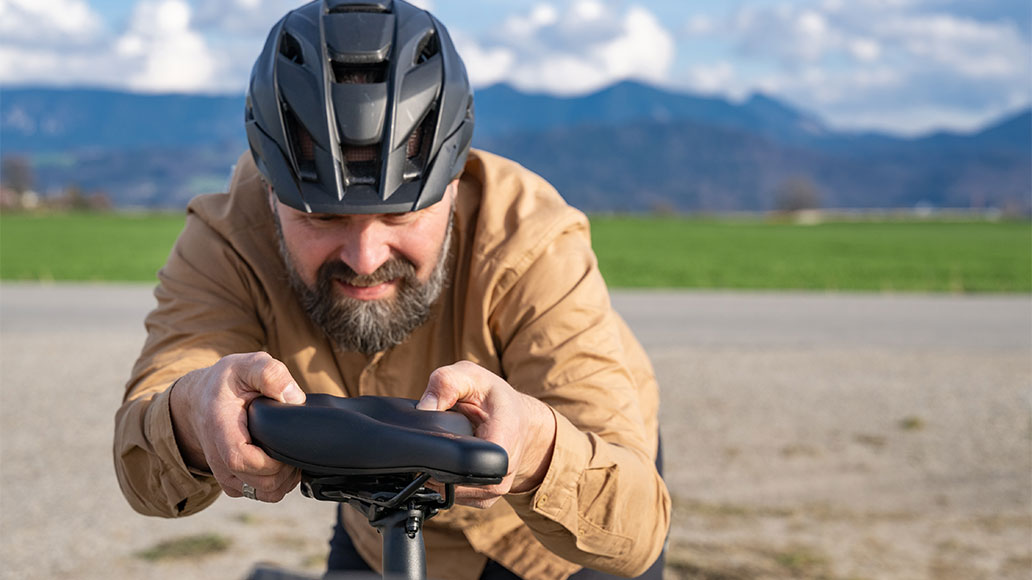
629	147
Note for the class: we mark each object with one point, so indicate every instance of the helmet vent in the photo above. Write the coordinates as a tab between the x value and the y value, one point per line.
363	164
429	47
343	6
290	48
421	136
415	144
419	144
303	146
361	154
360	74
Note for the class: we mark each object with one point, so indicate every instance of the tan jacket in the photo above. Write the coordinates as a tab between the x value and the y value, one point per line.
526	301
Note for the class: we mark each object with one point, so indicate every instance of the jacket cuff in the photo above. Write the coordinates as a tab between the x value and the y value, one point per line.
555	500
187	490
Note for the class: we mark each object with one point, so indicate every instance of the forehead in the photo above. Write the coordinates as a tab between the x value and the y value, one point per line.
285	209
446	202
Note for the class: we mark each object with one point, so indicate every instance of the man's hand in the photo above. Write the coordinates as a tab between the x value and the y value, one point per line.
209	417
520	424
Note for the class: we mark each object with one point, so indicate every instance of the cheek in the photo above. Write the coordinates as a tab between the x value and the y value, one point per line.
306	252
422	247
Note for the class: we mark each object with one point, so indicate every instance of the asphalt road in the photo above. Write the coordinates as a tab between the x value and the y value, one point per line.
871	405
660	318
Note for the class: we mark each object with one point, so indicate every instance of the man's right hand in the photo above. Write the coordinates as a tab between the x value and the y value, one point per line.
209	417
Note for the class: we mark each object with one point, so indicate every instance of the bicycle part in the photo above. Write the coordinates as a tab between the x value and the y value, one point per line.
376	454
374	436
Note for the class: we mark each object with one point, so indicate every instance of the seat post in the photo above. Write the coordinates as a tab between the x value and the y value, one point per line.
404	555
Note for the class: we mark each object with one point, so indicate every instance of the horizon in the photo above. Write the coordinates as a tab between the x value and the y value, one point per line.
905	68
1003	118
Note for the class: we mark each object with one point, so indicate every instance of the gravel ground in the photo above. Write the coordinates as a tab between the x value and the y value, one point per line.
806	435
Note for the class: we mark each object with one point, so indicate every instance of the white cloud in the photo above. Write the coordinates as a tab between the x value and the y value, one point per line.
163	46
813	34
167	54
719	77
866	30
159	51
544	15
43	41
235	20
526	26
865	49
587	11
974	49
485	65
700	25
855	60
34	21
578	48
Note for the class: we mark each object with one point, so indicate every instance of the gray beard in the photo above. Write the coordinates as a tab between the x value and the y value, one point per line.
369	326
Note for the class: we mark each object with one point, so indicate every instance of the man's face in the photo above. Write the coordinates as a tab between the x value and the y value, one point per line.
367	280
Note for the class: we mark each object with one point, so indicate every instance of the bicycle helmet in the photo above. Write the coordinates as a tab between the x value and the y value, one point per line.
359	106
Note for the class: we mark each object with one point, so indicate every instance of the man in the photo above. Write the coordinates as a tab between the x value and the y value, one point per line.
363	249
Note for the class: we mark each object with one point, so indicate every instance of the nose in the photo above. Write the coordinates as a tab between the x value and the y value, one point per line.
365	246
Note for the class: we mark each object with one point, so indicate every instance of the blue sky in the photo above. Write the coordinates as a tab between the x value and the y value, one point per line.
905	66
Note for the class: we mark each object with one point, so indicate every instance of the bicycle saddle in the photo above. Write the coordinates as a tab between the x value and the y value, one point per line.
367	436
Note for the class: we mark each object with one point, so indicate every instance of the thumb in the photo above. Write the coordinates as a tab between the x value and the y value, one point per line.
271	378
429	402
447	385
292	394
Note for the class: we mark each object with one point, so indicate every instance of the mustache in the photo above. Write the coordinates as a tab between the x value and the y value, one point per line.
392	269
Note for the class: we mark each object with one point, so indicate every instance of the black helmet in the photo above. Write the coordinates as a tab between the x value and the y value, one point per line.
359	106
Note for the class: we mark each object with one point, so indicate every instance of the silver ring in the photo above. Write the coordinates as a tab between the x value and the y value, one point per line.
249	492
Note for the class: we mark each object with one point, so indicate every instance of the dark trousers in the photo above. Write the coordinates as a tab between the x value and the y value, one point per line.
344	556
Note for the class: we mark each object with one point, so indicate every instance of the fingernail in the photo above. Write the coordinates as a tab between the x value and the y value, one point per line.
293	394
427	403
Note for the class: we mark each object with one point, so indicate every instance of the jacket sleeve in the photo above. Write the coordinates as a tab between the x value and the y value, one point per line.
602	503
204	312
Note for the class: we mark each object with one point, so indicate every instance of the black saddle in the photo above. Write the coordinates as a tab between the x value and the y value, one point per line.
374	436
376	454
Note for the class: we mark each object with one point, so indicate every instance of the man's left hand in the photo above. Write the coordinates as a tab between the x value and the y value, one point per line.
520	424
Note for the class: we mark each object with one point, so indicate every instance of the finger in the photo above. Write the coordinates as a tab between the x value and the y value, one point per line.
235	488
288	484
448	385
477	497
440	393
471	493
283	481
269	377
274	488
240	456
249	460
267	489
478	504
480	497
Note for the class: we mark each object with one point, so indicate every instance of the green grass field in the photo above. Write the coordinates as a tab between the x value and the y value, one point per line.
86	247
641	252
867	256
